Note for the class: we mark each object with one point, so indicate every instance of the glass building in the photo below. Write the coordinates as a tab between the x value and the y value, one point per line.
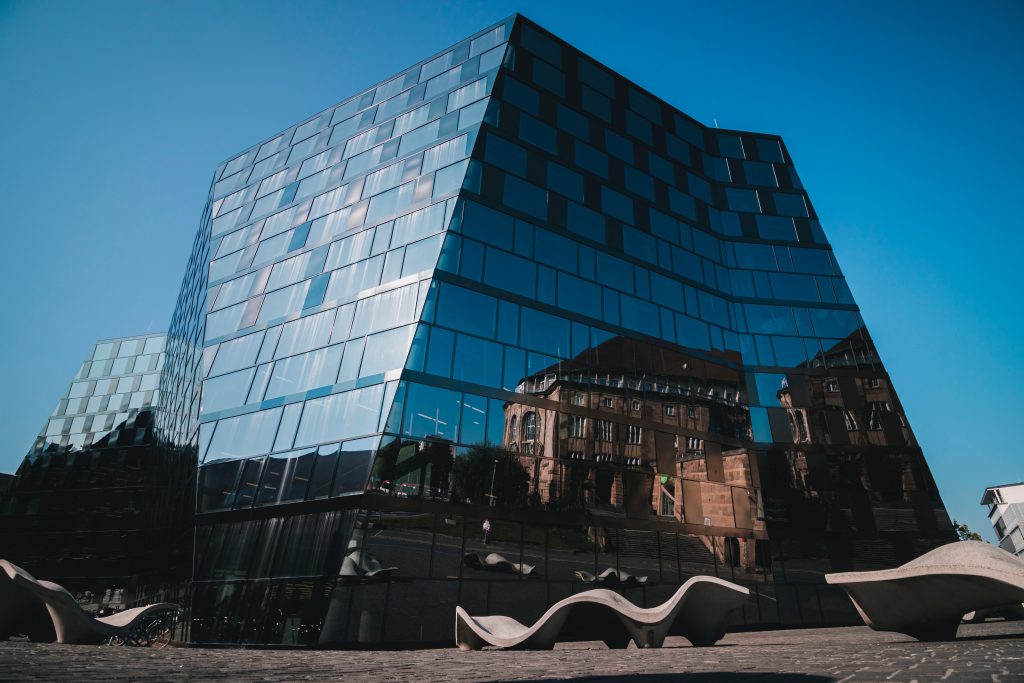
95	504
508	302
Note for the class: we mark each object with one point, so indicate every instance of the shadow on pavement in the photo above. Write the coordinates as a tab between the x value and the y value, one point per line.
707	677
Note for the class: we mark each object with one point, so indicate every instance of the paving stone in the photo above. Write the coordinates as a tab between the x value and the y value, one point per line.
992	652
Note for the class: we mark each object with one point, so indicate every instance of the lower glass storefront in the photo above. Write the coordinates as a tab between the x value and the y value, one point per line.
388	567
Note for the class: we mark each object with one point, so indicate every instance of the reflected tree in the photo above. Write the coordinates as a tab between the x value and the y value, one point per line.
490	476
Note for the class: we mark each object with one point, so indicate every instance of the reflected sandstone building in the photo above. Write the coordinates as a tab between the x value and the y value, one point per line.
508	301
656	436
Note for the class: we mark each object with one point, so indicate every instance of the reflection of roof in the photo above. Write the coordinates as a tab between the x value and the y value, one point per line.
609	383
838	349
632	357
626	364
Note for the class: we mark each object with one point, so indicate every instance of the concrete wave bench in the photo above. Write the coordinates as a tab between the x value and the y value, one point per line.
927	598
73	625
699	610
364	565
610	576
495	562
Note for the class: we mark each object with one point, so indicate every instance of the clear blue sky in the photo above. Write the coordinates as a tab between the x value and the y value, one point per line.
903	118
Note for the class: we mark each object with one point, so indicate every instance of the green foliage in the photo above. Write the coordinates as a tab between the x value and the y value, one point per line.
964	533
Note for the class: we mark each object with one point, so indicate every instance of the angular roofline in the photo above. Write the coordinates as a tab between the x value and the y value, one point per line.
510	18
521	17
147	335
515	19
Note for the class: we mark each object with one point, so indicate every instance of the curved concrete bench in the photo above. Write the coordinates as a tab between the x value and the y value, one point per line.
610	576
495	562
699	608
21	613
364	565
926	598
72	624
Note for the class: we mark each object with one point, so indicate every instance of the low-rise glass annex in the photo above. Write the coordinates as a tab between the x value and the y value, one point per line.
96	505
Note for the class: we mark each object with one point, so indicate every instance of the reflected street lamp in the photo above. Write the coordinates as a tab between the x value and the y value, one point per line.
494	471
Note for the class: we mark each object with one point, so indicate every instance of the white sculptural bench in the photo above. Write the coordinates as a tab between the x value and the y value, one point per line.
71	624
928	597
699	610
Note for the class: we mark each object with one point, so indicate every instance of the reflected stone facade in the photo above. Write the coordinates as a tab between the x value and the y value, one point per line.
95	504
509	302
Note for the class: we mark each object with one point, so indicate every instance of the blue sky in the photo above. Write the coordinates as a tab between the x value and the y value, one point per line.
903	118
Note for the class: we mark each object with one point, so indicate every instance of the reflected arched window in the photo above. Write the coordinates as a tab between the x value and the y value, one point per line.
529	427
512	435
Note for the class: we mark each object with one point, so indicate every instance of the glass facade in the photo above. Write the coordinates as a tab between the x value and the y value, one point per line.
96	505
508	288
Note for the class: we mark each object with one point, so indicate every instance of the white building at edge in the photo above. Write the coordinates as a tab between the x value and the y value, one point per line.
1006	512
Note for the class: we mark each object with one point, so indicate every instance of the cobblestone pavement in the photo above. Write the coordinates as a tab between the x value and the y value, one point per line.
991	652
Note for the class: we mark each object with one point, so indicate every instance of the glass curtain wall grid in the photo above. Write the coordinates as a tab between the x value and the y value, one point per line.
509	285
95	505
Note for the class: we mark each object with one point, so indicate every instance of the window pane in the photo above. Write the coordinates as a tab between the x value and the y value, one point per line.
526	197
226	391
305	333
742	200
282	302
478	361
468	311
345	283
418	224
511	273
760	173
384	311
422	255
444	154
448	180
354	466
386	351
305	371
432	411
730	146
790	205
237	353
467	94
340	416
564	181
776	228
245	435
545	333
